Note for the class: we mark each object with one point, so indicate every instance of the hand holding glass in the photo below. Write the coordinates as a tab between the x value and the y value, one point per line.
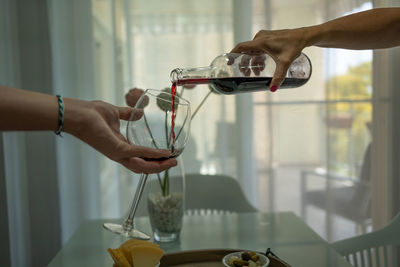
150	126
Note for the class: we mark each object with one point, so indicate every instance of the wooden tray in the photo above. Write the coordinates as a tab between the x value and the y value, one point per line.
206	258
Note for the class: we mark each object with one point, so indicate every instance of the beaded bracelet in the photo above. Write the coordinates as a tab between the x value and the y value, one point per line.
60	115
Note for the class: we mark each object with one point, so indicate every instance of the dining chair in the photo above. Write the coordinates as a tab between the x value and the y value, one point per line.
207	194
378	248
350	200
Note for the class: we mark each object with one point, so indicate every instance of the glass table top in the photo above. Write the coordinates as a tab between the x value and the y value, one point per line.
285	233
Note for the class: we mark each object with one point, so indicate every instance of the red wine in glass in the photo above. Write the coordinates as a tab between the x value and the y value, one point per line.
174	154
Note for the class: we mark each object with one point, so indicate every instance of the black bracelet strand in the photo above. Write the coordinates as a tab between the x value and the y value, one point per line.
60	115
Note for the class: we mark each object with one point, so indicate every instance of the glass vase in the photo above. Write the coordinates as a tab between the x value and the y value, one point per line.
165	203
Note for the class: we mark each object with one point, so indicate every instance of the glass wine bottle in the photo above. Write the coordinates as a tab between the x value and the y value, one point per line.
233	73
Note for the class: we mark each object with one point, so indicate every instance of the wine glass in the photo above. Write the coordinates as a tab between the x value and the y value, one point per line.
159	120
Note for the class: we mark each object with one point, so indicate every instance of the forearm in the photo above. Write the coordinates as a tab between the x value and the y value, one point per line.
26	110
372	29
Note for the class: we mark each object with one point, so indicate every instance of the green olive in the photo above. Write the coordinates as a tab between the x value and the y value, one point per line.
255	258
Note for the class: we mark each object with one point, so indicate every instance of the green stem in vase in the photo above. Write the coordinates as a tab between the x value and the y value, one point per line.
168	185
166	128
202	102
166	174
165	190
160	182
195	112
148	128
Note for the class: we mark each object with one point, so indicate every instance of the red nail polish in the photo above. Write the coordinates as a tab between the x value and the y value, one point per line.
274	88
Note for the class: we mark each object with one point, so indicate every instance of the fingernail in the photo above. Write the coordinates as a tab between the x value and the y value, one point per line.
274	88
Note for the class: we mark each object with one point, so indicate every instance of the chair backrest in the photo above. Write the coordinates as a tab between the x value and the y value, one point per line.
378	248
362	193
205	194
215	193
365	174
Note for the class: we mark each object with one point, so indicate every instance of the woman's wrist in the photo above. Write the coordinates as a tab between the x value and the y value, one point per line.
312	35
76	115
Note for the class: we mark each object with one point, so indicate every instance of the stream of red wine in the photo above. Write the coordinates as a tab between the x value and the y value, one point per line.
173	92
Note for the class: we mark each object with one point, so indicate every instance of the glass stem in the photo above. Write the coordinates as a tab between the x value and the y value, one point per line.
128	224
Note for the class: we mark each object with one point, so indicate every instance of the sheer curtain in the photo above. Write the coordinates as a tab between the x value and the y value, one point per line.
386	130
31	185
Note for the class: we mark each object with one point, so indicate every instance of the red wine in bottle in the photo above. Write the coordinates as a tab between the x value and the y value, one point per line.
235	85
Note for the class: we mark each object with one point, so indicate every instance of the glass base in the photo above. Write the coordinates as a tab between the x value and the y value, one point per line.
165	237
119	229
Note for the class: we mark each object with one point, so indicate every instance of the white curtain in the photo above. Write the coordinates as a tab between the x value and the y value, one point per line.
71	31
31	184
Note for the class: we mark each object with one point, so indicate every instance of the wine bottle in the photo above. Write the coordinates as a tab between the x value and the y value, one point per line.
233	73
